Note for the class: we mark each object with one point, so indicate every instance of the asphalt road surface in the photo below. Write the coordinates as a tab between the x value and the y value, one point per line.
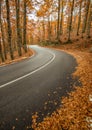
34	85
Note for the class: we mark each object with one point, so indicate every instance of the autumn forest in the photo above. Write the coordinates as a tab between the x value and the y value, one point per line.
24	22
52	88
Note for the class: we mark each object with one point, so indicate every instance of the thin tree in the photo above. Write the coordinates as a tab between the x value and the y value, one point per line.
1	51
17	3
58	21
55	29
3	37
70	23
85	17
49	28
9	29
39	32
24	26
43	26
61	21
89	20
79	20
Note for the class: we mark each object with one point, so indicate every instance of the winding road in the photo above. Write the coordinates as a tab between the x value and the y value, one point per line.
34	85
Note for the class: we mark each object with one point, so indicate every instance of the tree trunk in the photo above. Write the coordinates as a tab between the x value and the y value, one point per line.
55	30
61	21
24	28
43	26
3	37
1	51
40	36
2	34
85	17
49	29
79	21
9	29
70	23
89	21
17	2
58	21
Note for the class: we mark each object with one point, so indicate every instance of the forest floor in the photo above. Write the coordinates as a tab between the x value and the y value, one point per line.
16	57
76	112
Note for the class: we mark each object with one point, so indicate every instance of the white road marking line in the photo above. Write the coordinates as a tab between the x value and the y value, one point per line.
15	80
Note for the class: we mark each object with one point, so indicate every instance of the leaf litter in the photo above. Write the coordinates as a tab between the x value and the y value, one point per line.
77	107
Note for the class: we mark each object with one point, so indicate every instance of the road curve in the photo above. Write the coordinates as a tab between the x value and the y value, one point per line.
34	85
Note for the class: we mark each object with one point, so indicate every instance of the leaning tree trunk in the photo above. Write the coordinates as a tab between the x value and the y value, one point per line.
70	23
9	29
79	21
24	28
17	2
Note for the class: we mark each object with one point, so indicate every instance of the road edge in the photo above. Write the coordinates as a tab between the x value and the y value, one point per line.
18	59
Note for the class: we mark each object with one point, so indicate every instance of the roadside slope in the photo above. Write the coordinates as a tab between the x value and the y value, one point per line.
17	58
